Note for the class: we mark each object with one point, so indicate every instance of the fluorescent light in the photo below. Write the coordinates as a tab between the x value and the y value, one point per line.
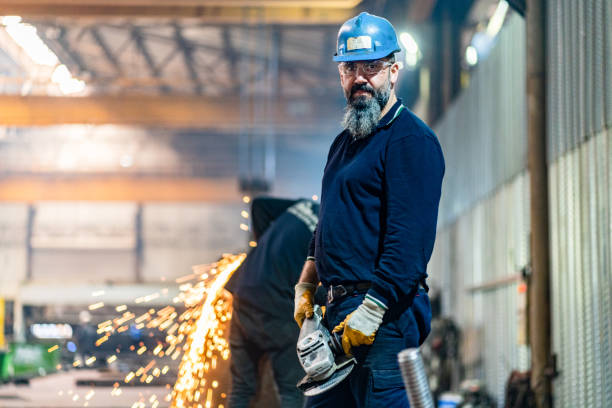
412	59
497	20
471	55
51	330
67	84
413	53
483	41
26	37
72	86
409	43
61	74
11	20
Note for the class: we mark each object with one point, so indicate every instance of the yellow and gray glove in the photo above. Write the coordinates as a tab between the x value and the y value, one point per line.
361	325
304	301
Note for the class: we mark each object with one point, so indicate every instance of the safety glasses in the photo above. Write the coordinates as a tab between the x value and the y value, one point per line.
369	68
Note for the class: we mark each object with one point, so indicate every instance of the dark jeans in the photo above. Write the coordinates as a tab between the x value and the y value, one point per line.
376	381
250	344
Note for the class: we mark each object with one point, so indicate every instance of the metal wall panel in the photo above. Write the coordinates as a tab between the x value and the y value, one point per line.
580	271
579	41
603	25
480	247
579	105
483	134
485	152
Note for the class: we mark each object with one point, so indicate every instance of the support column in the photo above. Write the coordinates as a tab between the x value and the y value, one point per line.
18	321
539	290
139	246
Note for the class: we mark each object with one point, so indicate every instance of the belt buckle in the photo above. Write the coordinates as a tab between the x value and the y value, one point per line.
331	295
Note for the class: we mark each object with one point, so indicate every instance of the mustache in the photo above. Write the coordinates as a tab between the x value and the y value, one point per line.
362	87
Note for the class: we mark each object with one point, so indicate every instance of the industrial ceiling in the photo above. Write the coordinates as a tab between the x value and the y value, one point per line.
251	77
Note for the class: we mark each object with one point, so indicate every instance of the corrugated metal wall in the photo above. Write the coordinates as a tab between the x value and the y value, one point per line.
480	247
484	213
484	219
580	165
484	133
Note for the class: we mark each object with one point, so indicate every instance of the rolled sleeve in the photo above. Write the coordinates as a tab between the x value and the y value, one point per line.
414	168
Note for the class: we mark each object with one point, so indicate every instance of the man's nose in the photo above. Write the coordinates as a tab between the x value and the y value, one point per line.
360	78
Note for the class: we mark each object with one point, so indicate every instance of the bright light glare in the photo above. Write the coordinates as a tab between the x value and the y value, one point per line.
11	20
471	55
71	86
412	59
61	74
126	160
497	20
409	43
483	41
66	160
412	49
25	35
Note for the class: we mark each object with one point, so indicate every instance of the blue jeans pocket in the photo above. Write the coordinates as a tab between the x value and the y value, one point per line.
387	390
383	379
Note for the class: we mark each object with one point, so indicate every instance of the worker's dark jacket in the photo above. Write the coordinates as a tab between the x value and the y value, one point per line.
379	207
263	285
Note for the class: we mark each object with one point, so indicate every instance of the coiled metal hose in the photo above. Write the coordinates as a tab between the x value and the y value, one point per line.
415	379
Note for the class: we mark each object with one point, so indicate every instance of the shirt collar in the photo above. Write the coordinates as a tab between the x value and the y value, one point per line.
391	115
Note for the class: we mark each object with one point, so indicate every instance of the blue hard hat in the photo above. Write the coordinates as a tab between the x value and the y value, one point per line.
366	37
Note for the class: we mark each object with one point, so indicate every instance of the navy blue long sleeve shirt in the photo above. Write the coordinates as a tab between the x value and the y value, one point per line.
379	207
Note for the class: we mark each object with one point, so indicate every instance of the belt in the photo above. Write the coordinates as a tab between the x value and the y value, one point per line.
337	292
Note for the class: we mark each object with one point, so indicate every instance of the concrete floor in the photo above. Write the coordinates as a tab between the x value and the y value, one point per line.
60	391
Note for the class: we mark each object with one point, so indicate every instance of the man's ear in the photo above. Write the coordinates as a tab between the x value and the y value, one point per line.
394	72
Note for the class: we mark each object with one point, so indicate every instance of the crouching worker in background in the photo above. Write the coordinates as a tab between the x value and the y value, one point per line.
262	322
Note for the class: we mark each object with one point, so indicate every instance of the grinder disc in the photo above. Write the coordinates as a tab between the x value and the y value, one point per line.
343	369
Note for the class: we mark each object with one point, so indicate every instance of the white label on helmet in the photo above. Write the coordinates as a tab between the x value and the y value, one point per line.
359	43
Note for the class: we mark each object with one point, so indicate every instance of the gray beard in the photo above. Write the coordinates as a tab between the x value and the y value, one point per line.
362	113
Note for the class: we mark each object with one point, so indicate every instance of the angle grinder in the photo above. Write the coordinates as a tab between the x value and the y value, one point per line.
321	356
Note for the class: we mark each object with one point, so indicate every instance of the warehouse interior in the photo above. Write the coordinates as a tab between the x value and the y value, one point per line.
134	134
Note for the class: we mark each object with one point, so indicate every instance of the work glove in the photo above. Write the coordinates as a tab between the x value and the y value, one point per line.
304	301
359	327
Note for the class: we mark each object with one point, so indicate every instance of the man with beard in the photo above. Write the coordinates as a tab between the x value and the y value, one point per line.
377	222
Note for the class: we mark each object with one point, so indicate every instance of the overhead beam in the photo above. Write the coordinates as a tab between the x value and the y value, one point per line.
114	61
188	59
144	51
260	12
99	188
232	57
163	111
212	3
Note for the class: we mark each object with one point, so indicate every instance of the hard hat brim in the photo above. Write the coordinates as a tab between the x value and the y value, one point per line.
364	55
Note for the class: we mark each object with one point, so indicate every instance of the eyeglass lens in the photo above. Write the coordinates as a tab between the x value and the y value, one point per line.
369	67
